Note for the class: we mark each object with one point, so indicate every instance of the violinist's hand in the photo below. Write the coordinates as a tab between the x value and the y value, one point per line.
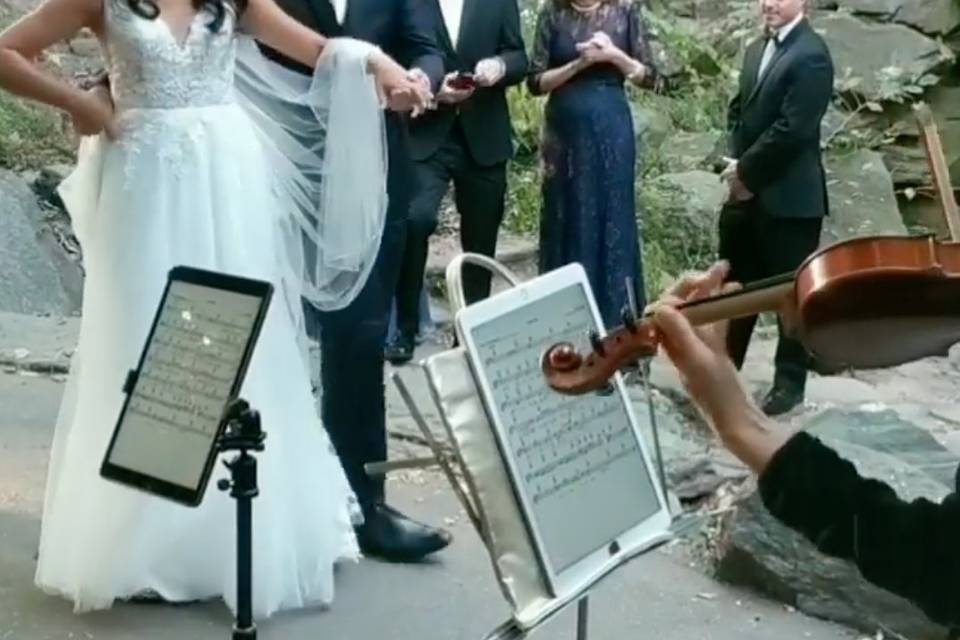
700	353
700	356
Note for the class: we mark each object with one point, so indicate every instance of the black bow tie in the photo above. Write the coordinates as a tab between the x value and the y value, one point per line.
771	35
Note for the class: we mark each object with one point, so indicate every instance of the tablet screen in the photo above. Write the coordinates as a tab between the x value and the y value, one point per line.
187	377
577	461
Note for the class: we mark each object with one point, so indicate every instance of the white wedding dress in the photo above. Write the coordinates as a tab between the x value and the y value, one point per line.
188	182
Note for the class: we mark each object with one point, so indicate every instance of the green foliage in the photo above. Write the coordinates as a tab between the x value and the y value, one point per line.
857	130
699	99
31	136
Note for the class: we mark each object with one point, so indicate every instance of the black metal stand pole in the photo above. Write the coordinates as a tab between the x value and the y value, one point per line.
243	434
583	608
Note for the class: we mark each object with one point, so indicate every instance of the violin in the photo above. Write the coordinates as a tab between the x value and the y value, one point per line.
863	303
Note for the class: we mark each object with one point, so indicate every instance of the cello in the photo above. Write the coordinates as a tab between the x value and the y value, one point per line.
862	303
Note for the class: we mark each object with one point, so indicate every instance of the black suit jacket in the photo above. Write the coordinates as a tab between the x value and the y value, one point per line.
401	28
488	28
774	124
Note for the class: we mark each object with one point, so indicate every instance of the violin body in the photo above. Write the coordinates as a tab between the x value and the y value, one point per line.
862	303
878	302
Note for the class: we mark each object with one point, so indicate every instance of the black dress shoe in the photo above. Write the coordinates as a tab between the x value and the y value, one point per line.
390	535
400	350
780	400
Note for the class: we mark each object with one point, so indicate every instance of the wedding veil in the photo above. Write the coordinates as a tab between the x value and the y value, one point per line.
328	139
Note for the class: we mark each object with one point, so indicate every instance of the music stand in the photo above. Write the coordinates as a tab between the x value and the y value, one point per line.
182	408
469	456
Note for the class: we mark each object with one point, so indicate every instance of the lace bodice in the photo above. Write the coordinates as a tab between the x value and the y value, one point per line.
149	68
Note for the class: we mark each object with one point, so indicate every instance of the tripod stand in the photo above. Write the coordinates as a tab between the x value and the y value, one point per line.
243	434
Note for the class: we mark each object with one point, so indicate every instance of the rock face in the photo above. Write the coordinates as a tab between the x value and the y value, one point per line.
651	127
688	151
759	551
862	201
36	278
683	208
867	49
929	16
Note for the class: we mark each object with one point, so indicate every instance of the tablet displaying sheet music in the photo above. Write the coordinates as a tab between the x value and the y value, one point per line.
192	366
578	464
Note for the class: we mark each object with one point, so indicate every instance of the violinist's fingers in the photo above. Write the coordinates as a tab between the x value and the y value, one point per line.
697	284
681	342
664	300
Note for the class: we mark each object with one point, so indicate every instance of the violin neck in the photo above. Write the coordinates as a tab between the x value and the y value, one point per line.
757	297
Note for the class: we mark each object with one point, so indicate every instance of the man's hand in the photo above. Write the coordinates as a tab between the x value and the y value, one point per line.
452	95
403	90
92	113
738	190
489	72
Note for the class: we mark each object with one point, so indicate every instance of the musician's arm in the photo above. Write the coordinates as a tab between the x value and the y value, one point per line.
907	548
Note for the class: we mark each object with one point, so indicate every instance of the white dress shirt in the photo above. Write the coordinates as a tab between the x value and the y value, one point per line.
452	12
340	8
771	47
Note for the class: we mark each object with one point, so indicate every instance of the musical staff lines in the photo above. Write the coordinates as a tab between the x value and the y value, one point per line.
559	442
188	372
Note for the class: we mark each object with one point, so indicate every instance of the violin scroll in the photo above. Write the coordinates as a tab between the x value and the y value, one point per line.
562	357
569	372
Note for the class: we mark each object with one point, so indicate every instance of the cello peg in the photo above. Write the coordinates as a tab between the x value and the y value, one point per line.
597	343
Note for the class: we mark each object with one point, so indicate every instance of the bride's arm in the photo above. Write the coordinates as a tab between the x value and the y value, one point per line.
26	39
272	26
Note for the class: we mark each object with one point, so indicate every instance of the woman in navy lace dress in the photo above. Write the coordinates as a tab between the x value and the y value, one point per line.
583	53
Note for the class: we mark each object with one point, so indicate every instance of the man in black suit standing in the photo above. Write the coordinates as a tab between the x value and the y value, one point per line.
351	339
467	139
778	194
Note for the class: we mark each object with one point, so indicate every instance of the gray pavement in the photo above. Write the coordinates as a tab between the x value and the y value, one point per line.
451	598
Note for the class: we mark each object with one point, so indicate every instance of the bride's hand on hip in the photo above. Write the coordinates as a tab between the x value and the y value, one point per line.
93	113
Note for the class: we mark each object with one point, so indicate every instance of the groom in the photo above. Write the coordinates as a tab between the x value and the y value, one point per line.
353	398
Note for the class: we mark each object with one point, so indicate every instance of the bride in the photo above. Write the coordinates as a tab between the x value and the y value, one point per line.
203	155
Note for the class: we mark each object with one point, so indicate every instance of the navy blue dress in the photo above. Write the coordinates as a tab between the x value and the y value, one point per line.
588	212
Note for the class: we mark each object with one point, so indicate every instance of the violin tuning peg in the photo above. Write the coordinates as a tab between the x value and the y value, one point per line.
629	319
631	296
597	343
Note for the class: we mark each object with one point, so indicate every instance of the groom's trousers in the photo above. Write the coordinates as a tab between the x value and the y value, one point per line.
353	402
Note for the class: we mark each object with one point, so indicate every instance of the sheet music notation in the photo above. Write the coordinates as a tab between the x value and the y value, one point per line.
559	442
189	369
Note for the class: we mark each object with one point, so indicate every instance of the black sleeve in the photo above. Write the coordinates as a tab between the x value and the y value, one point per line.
733	117
911	549
540	56
419	42
807	97
512	50
639	50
